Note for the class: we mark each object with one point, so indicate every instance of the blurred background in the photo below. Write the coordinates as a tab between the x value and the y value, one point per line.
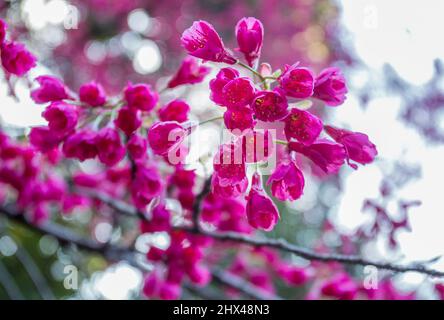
392	63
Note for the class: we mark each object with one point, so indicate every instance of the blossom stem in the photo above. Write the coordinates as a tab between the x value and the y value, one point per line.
245	66
285	143
210	120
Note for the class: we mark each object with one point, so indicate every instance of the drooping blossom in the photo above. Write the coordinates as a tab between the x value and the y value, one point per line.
93	94
176	110
227	188
293	275
270	106
166	136
190	72
109	146
146	185
238	93
62	118
358	146
137	146
128	120
297	82
330	87
261	211
16	59
239	119
287	181
202	41
81	145
250	35
141	97
326	154
43	139
217	84
257	145
229	162
159	220
303	126
51	89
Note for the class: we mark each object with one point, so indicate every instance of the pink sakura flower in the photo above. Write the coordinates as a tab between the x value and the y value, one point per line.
51	89
357	145
62	118
293	275
303	126
250	35
190	72
199	274
160	220
341	287
238	93
43	139
297	82
167	136
226	188
217	84
270	106
183	178
3	28
169	291
326	154
229	163
137	146
128	120
16	59
287	181
141	97
330	87
239	119
202	41
439	287
176	110
93	94
186	199
261	211
109	146
81	145
257	146
146	185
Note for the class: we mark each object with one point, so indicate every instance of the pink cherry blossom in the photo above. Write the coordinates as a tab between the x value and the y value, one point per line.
190	72
303	126
270	106
128	120
16	59
109	146
238	93
141	97
217	84
176	110
297	82
202	41
51	89
93	94
250	35
81	145
62	118
330	87
287	181
166	136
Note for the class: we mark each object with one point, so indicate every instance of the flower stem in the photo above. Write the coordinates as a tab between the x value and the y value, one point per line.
245	66
281	142
210	120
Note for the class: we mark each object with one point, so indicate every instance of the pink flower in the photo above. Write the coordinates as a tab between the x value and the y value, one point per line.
141	96
190	72
109	146
146	185
217	84
128	120
226	188
202	41
239	119
238	93
137	146
176	110
287	181
169	291
303	126
229	163
270	106
261	211
297	82
326	154
43	139
151	284
293	275
62	118
3	28
341	287
330	87
159	220
93	94
257	146
51	89
164	137
250	35
199	274
81	145
16	59
357	145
